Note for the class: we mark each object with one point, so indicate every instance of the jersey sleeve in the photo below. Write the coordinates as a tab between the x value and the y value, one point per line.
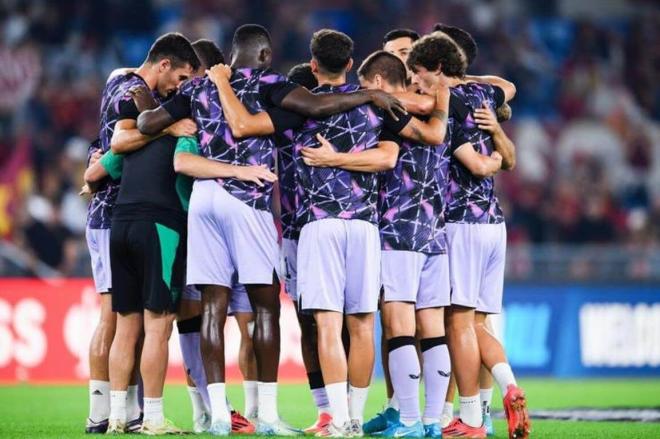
458	136
499	96
187	144
127	109
393	125
284	119
387	135
276	92
179	106
112	163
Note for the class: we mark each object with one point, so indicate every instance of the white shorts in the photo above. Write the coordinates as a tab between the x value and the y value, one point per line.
415	277
339	266
227	237
98	243
477	256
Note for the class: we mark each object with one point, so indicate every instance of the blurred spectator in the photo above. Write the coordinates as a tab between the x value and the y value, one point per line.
585	119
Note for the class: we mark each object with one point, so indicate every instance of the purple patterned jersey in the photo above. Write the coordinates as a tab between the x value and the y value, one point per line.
215	137
334	192
411	201
470	199
115	92
286	178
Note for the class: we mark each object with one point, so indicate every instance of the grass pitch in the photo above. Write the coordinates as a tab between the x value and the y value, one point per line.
60	411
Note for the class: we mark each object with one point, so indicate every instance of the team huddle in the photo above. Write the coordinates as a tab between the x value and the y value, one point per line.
384	194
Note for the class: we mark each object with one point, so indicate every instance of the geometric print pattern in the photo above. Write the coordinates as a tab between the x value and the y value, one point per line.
411	199
215	137
334	192
99	212
470	199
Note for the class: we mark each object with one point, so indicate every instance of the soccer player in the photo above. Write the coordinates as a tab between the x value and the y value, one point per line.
468	45
477	240
98	237
170	61
399	42
236	233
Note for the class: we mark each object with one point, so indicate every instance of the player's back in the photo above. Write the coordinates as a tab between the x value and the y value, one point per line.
334	192
471	199
215	138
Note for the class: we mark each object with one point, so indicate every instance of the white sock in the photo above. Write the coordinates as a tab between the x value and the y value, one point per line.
267	402
99	400
448	409
196	401
251	398
393	403
219	410
229	406
485	396
357	398
503	376
132	403
153	410
118	405
471	410
338	399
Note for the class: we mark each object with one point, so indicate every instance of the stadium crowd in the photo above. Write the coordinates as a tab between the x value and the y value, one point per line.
585	120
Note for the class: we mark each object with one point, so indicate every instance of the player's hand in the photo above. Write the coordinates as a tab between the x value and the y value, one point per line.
182	128
256	174
143	98
387	102
85	190
95	157
321	157
219	72
497	156
486	120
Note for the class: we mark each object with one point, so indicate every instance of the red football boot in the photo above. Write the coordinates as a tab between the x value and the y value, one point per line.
515	409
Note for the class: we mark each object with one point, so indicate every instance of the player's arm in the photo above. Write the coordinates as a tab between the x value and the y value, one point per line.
127	137
381	158
434	130
156	120
416	103
241	122
317	106
508	87
187	161
479	165
109	164
487	120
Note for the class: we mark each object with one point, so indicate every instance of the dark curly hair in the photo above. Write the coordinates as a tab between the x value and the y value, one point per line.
437	51
462	38
331	49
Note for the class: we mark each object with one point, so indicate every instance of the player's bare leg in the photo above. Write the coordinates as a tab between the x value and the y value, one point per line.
99	378
247	363
310	355
334	365
153	366
436	366
494	359
121	365
215	300
466	362
361	359
265	301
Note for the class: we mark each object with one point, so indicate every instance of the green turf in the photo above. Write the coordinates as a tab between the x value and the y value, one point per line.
60	411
